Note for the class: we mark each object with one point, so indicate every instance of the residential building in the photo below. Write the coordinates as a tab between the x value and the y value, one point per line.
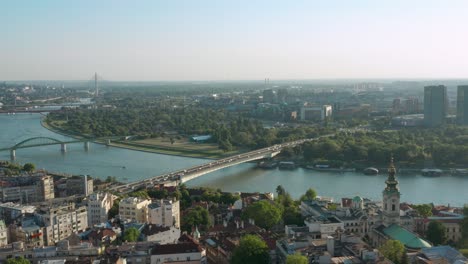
440	254
134	208
65	250
99	205
3	234
79	185
435	105
27	232
164	213
37	188
11	212
186	252
452	225
62	221
462	105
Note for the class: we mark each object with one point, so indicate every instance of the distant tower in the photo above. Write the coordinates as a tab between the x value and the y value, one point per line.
391	198
435	105
96	88
462	105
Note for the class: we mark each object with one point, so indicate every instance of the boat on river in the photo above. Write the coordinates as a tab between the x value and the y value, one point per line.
371	171
459	172
287	165
431	172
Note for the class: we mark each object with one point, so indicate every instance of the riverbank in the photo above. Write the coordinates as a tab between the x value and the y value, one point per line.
192	153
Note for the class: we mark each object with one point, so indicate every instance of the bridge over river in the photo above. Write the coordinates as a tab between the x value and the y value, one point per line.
187	174
47	141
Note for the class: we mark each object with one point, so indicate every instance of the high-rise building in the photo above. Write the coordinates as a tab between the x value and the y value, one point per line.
435	105
99	205
462	105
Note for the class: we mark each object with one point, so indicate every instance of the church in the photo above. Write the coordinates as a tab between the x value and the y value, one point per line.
392	225
376	222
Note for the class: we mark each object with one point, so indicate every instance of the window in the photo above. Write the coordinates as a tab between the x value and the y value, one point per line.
393	207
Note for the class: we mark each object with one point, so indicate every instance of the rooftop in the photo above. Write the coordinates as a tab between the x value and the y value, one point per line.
409	239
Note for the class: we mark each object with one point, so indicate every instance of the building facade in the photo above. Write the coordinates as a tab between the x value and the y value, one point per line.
3	234
79	185
99	205
62	221
435	105
164	213
134	208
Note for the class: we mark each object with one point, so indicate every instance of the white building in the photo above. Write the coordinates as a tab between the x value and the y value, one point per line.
62	221
134	208
164	213
188	252
99	205
323	227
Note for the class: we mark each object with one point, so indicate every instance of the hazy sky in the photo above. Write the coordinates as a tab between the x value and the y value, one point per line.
232	40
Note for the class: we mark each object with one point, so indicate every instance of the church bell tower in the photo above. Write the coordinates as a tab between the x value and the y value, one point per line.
391	198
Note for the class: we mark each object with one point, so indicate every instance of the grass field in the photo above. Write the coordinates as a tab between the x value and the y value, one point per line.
181	147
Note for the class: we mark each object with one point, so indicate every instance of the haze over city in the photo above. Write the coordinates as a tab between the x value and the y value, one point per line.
233	40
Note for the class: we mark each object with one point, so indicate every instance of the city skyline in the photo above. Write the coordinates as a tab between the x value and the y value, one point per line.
191	40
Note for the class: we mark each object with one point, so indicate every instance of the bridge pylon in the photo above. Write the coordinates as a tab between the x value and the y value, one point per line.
63	147
13	154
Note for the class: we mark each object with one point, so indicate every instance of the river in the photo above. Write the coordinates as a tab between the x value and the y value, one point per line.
127	165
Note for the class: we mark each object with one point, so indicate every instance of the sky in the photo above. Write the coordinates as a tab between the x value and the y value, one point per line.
177	40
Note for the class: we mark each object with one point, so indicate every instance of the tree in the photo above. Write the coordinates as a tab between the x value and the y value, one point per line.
131	234
17	260
265	214
393	250
251	249
296	259
198	216
114	209
436	233
280	190
309	195
29	167
424	210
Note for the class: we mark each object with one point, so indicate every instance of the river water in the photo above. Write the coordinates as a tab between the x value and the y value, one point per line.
127	165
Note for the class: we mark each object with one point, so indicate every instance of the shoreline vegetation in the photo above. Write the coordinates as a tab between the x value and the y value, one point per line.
158	149
158	131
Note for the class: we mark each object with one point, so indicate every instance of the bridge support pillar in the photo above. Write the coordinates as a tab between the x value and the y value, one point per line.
108	142
63	147
86	145
13	154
